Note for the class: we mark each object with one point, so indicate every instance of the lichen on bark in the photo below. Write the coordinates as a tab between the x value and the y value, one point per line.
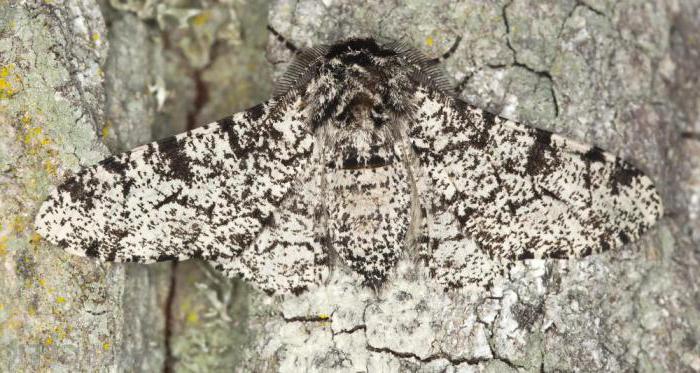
56	311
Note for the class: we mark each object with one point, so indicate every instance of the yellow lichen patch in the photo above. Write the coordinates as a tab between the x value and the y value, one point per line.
36	143
33	135
48	341
325	319
49	289
9	81
26	119
106	128
34	239
429	41
18	224
3	245
60	300
96	39
192	318
106	346
14	323
2	306
50	168
201	18
61	332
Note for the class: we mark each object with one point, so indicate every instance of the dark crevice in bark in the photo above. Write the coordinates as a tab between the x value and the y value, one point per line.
504	14
410	355
307	318
200	99
351	330
545	75
691	136
169	302
540	73
462	84
589	7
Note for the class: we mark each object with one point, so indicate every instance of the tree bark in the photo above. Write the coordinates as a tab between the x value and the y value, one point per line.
79	79
59	312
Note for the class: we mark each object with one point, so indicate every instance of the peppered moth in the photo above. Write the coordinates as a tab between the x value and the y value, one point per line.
362	156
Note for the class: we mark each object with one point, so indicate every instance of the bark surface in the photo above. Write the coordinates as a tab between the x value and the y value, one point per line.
80	79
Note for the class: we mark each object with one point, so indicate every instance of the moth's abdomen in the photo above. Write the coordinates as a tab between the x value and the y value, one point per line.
368	211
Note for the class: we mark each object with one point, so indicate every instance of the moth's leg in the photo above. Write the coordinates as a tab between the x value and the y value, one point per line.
288	44
447	54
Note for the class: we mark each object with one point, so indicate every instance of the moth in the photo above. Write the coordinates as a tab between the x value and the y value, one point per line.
363	156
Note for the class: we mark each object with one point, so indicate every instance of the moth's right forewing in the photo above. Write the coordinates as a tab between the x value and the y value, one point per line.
505	191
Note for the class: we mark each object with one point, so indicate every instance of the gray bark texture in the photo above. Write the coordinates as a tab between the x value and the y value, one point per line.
80	80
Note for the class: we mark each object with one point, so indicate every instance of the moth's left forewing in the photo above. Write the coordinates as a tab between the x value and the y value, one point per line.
211	193
517	192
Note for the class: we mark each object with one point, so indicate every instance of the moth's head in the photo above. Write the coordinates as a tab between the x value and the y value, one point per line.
360	81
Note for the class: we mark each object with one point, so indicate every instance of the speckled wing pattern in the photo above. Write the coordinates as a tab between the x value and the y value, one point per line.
213	193
499	191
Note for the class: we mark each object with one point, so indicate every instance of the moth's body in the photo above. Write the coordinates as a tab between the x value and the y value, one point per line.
362	157
359	97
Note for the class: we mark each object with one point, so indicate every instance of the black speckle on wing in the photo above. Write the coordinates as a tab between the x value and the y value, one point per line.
92	249
256	112
173	154
595	154
623	176
115	166
537	160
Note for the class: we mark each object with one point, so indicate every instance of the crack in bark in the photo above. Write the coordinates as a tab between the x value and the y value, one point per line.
589	7
490	327
453	361
459	87
200	99
307	318
351	330
540	73
690	136
169	302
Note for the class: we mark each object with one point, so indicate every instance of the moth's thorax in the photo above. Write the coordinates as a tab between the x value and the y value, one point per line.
359	82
